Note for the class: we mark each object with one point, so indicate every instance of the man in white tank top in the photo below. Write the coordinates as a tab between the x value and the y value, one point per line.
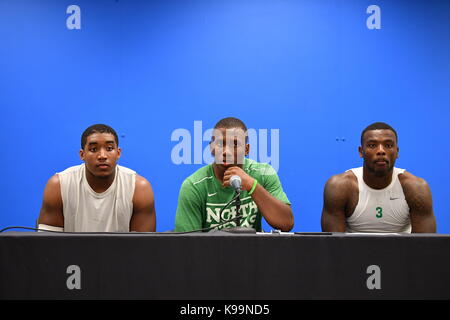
378	197
98	195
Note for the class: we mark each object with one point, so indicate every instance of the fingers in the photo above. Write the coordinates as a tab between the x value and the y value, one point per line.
229	173
246	180
226	180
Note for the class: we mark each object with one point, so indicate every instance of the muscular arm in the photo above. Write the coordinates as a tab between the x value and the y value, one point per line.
52	207
418	196
144	215
277	213
335	199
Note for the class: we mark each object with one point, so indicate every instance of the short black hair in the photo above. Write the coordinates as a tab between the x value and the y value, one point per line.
378	126
97	128
231	122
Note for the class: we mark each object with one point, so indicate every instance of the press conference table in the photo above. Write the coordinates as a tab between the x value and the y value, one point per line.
221	265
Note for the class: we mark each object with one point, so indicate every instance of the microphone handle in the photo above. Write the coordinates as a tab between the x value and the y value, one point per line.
238	207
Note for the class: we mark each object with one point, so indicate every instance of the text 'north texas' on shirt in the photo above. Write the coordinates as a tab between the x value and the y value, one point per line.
202	197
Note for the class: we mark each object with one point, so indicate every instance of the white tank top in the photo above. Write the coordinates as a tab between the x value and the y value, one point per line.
88	211
380	210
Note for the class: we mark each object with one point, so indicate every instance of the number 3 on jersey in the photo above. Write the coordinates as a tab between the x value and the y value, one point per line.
379	212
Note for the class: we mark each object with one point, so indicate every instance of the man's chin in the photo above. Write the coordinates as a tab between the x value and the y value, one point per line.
102	174
381	172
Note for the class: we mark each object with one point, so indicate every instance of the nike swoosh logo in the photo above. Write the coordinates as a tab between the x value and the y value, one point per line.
212	194
390	198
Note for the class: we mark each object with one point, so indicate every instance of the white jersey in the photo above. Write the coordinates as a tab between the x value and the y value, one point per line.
88	211
380	210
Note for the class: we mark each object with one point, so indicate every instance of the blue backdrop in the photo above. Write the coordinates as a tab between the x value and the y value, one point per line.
306	75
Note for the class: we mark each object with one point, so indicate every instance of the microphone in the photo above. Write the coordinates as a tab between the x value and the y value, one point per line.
236	183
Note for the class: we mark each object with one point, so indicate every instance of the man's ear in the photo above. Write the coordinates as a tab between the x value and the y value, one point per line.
361	153
119	153
398	152
247	149
82	154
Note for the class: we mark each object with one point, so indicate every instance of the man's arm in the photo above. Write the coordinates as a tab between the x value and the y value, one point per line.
418	196
277	213
335	199
51	212
144	215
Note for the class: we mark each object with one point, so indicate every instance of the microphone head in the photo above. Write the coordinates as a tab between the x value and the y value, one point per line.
236	182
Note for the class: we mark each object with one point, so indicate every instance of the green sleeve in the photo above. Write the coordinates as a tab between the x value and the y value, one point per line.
271	182
189	210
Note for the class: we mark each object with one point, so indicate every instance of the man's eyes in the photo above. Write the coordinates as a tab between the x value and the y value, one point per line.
387	145
221	144
95	149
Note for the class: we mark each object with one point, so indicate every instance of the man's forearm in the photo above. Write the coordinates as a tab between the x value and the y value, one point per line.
277	213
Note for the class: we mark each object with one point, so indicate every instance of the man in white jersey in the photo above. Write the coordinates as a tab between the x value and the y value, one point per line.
98	195
378	197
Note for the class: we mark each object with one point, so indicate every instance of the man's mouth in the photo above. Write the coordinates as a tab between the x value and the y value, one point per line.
381	162
227	162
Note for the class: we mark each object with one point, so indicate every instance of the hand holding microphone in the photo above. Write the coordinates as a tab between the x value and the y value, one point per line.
236	182
237	178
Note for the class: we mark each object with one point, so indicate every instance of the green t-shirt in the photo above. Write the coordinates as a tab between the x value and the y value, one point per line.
202	197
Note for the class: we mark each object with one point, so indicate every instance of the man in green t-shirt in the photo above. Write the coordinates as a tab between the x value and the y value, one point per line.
204	194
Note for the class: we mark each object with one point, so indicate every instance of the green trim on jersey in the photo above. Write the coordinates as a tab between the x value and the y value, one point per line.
202	197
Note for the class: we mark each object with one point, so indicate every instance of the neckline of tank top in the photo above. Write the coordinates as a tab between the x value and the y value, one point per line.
104	193
395	174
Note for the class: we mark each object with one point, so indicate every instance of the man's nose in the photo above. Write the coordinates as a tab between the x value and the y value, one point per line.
381	150
227	152
102	154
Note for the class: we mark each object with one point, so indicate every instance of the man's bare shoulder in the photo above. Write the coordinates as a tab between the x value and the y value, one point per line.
341	188
419	199
411	182
52	206
53	186
346	180
143	191
142	183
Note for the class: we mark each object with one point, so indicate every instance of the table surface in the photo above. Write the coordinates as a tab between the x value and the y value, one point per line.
222	265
